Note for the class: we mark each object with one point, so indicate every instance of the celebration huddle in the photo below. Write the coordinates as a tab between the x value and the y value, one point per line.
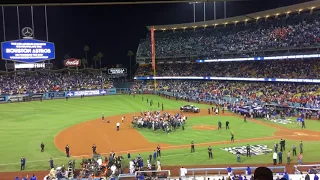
156	120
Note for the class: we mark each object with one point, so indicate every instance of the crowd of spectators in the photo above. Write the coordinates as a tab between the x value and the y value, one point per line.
46	81
299	30
261	69
308	95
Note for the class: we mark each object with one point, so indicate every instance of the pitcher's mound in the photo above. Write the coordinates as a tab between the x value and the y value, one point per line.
204	127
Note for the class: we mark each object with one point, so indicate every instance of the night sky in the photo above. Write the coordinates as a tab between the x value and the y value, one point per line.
113	30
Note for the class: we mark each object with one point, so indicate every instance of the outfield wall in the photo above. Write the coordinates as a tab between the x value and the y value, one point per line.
60	94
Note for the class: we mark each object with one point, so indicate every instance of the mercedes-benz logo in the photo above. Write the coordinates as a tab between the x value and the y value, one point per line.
27	32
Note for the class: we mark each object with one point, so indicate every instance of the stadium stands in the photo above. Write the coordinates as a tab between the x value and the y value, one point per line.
46	81
256	69
295	31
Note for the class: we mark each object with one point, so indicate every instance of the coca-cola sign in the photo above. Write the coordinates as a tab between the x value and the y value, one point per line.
73	62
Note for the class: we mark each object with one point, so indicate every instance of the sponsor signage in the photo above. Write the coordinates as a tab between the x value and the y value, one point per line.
37	96
27	50
256	150
2	99
73	62
17	98
117	71
87	93
30	66
56	94
227	79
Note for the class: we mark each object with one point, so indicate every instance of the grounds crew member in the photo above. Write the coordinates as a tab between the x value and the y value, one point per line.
210	152
23	163
42	147
192	147
67	150
248	151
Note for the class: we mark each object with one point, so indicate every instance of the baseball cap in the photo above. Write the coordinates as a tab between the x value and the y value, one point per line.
263	173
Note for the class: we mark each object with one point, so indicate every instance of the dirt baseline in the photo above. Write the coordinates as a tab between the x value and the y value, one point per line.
204	127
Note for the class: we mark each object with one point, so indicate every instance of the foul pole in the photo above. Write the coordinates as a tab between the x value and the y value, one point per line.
153	57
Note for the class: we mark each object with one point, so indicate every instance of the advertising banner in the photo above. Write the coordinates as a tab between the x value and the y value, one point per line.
115	71
30	66
90	92
27	50
56	94
73	62
36	96
3	99
17	98
226	79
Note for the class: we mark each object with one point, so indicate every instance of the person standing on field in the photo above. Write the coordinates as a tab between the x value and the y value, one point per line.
288	157
118	126
210	152
158	151
192	147
42	147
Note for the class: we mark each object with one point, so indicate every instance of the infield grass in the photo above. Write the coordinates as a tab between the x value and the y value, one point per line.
240	129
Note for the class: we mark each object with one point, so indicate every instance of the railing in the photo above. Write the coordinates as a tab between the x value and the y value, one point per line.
297	171
219	170
137	172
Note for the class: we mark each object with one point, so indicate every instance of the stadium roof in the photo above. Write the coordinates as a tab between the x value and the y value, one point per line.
95	2
307	6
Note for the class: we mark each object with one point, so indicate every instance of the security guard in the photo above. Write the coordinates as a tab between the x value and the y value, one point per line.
192	147
23	163
248	151
51	163
67	150
210	152
42	147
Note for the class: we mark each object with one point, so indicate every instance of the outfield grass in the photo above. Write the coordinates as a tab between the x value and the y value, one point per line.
23	126
241	130
310	124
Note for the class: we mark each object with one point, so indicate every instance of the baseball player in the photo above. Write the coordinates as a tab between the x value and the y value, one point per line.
102	117
118	126
122	119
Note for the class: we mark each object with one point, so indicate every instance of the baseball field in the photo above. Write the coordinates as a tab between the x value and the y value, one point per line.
78	123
